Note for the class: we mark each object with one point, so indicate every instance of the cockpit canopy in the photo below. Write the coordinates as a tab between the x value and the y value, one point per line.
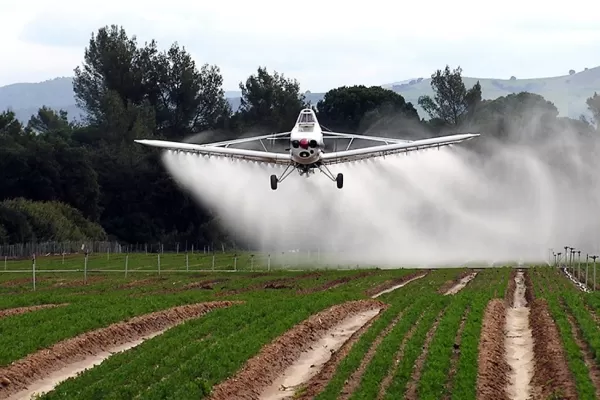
306	116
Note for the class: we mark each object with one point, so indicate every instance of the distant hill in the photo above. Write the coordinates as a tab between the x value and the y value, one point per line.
567	92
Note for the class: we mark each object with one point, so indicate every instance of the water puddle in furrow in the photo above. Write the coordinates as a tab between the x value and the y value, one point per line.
310	362
519	343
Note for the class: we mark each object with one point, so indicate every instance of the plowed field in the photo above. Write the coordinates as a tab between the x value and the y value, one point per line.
491	333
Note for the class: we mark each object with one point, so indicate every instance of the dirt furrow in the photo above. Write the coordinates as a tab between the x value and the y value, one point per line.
519	342
509	295
551	375
492	377
37	366
394	284
585	350
22	310
317	383
411	387
387	381
279	283
353	381
336	282
455	355
262	370
460	285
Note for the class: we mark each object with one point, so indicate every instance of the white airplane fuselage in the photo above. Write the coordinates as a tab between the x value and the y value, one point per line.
306	139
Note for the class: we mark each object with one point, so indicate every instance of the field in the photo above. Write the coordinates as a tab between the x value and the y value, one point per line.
177	329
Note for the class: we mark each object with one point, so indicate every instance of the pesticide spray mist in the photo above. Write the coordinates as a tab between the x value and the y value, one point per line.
436	207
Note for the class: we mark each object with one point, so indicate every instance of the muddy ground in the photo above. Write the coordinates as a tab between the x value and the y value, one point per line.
262	370
18	375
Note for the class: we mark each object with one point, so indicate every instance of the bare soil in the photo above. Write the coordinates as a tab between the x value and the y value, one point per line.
37	366
551	373
411	387
262	370
493	369
318	382
393	283
22	310
353	381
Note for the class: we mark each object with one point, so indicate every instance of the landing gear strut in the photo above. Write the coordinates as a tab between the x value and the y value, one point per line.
275	180
306	170
339	179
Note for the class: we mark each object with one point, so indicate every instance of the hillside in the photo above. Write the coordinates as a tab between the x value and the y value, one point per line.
567	92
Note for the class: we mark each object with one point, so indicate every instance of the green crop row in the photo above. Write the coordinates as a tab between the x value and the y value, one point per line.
26	333
439	355
547	279
386	352
420	289
199	353
186	361
471	301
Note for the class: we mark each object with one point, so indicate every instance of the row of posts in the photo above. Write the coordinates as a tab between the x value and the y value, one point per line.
187	265
569	263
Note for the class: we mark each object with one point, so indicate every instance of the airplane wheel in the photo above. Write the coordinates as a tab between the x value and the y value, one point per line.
340	180
273	182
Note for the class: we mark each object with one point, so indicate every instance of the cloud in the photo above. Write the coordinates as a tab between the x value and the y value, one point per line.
322	45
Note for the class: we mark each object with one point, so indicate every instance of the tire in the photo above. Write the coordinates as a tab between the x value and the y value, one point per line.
274	182
340	181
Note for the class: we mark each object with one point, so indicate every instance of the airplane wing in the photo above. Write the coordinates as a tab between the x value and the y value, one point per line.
394	148
272	136
352	136
220	149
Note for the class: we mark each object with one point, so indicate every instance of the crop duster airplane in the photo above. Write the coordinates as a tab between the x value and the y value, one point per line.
307	148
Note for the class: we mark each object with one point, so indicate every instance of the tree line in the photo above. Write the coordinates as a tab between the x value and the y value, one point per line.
65	180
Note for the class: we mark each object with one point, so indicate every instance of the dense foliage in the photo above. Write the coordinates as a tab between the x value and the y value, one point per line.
134	91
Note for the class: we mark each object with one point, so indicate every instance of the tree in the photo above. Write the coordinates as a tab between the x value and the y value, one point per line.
593	104
516	117
270	102
345	107
135	90
452	102
112	62
49	121
186	100
10	125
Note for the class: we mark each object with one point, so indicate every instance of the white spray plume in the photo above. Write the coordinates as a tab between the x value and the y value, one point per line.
436	207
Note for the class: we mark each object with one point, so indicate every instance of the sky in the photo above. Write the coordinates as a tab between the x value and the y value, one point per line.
322	44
